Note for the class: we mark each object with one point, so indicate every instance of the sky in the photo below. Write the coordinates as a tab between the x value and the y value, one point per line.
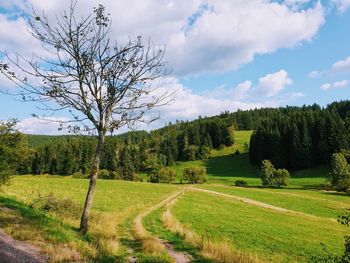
222	54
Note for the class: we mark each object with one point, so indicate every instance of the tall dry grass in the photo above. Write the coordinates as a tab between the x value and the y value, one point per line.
150	243
218	251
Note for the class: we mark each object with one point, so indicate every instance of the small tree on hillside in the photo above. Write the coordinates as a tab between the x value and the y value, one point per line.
280	177
267	170
104	84
162	175
14	151
272	177
195	174
340	172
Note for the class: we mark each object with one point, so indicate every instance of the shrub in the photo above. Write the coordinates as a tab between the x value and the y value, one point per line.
62	207
272	177
137	178
195	174
280	177
115	175
162	175
340	172
78	175
241	183
266	173
5	173
103	174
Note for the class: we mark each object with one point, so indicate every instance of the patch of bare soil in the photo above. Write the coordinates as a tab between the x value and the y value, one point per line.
14	251
179	257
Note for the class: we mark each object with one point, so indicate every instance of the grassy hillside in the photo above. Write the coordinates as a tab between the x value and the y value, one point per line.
263	224
272	236
225	167
116	204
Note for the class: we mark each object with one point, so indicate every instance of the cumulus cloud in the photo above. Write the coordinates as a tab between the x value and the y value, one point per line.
189	105
342	5
341	66
272	84
201	35
40	126
314	74
335	85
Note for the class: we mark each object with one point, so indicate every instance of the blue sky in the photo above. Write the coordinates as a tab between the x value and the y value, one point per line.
224	54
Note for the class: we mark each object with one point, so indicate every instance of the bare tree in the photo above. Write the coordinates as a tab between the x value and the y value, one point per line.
104	85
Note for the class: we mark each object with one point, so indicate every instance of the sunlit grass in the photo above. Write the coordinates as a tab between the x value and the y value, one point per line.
271	235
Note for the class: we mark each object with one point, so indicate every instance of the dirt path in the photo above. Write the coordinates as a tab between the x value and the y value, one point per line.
178	257
260	204
141	232
287	194
13	251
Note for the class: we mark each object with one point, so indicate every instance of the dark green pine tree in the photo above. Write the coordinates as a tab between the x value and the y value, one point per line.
126	165
38	165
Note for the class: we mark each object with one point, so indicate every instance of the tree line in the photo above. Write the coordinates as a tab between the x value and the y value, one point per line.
130	153
291	137
301	137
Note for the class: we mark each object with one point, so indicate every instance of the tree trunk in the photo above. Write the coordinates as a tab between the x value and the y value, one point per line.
93	179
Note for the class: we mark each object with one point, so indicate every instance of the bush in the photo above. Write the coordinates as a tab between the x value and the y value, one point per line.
5	173
137	178
62	207
340	172
237	153
272	177
195	174
78	175
241	183
103	174
115	175
162	175
280	178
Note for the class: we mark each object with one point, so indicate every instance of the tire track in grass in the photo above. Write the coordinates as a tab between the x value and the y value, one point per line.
222	252
152	244
260	204
266	190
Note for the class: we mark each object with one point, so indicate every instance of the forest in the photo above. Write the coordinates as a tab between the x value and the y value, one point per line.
290	137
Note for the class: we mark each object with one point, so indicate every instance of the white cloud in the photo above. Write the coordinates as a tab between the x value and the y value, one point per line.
189	105
201	35
326	86
341	66
335	85
16	38
40	126
274	83
242	89
314	74
342	5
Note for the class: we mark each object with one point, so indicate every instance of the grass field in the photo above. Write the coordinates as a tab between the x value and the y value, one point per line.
268	234
116	203
227	224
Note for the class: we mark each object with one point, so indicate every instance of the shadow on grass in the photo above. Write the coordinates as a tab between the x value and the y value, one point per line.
54	229
231	166
344	194
27	223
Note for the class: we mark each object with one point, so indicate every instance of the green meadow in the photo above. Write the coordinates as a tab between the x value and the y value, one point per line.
260	233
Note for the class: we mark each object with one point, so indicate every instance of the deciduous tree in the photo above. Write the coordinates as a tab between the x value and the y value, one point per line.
104	84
